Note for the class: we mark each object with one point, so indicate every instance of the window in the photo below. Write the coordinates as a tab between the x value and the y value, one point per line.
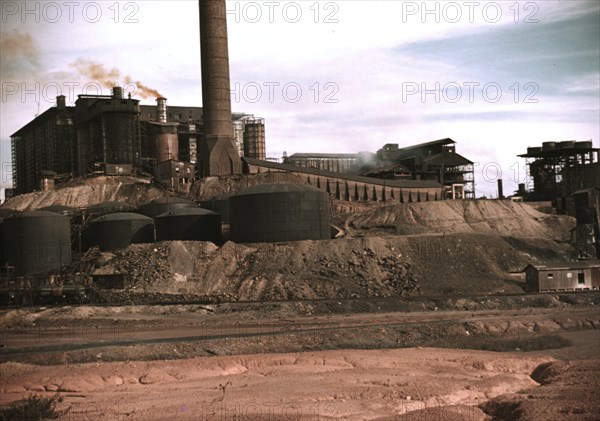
581	278
550	276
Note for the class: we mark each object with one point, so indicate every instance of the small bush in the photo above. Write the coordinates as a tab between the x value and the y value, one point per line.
34	408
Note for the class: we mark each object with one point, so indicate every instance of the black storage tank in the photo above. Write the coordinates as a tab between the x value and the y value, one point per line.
3	214
61	209
1	244
220	206
165	204
279	212
191	224
117	230
110	206
37	241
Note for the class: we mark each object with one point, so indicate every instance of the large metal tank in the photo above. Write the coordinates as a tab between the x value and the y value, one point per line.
191	224
37	241
534	150
4	213
1	244
220	206
567	144
110	206
62	210
117	230
165	204
279	212
586	144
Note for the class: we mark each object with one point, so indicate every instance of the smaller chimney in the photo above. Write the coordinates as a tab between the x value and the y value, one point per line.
161	109
117	92
500	189
61	103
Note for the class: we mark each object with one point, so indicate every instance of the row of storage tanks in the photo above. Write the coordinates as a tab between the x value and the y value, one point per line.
42	240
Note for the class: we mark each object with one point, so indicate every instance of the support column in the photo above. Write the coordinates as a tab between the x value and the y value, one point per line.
218	154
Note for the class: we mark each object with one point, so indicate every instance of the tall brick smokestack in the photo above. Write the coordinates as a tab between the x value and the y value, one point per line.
218	154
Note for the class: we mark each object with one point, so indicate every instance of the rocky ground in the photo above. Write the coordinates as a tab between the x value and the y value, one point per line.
402	250
415	311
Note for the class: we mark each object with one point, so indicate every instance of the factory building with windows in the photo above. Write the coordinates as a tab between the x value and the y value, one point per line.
115	135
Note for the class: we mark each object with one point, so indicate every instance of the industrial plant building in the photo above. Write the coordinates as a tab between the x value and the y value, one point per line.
114	135
435	161
558	169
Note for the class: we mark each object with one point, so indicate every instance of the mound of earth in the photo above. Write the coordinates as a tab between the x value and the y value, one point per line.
568	391
372	266
504	218
90	192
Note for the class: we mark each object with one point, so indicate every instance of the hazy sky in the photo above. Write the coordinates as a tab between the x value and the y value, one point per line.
331	76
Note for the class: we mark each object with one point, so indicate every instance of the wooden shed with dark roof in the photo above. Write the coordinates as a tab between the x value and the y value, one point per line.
564	276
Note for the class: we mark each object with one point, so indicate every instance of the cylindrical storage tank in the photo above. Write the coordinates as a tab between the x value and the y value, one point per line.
62	210
1	244
111	207
220	206
117	230
547	146
165	204
567	144
166	141
37	241
5	212
279	212
191	224
586	144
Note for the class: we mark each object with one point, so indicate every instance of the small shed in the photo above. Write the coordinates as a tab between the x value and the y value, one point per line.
564	276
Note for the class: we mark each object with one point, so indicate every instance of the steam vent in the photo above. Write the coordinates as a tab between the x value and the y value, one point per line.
279	212
218	154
